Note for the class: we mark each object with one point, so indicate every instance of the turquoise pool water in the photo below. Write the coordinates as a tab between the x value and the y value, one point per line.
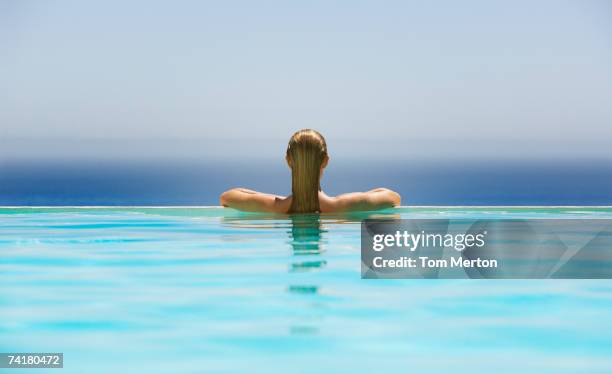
210	290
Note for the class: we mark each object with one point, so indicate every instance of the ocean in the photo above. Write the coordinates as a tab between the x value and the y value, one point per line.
175	182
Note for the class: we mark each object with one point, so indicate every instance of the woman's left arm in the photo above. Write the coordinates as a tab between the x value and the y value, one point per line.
252	201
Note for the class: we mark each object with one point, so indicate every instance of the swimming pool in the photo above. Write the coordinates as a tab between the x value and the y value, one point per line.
213	290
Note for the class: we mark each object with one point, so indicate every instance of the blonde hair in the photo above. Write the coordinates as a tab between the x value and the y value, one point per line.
306	153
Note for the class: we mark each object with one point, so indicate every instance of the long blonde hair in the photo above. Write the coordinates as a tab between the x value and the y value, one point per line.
306	153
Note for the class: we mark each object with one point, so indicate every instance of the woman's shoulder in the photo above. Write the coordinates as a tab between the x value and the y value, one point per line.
379	198
334	204
327	204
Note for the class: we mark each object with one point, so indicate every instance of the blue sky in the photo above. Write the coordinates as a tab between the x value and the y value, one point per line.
379	78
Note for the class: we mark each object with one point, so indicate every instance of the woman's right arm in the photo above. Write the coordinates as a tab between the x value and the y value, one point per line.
379	198
253	201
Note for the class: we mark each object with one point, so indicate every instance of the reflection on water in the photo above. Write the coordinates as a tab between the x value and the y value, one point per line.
303	289
306	231
306	234
307	240
236	219
306	237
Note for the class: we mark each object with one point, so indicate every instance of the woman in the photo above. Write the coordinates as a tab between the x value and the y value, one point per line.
307	157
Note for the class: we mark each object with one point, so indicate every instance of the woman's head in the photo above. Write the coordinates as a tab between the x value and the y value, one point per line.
307	157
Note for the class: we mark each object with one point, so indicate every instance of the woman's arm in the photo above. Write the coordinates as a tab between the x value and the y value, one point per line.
378	198
253	201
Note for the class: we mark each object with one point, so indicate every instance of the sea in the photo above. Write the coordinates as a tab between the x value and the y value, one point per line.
114	182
